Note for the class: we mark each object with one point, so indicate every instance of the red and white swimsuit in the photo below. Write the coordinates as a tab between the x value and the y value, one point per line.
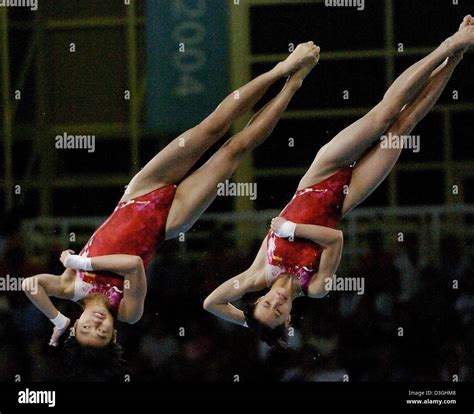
136	227
320	204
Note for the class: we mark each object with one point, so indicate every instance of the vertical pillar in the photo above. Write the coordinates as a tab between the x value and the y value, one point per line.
7	112
240	74
46	148
389	78
133	85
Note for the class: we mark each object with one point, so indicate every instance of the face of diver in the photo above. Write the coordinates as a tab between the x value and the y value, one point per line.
95	327
274	308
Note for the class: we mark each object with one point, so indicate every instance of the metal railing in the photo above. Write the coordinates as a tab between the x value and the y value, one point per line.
427	225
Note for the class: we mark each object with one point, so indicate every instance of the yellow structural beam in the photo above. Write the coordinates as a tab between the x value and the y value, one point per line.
133	85
7	112
240	69
84	23
459	166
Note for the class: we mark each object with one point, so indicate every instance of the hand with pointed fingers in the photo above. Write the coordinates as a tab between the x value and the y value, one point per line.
57	333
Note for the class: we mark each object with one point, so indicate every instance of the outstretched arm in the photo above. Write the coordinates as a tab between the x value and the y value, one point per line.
128	266
331	240
219	302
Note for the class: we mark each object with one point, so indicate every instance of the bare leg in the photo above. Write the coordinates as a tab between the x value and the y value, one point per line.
377	163
353	141
196	192
171	164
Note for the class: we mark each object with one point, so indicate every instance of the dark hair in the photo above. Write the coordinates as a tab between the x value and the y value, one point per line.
88	363
273	337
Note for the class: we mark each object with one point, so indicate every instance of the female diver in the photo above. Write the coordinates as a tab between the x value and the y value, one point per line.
108	278
302	251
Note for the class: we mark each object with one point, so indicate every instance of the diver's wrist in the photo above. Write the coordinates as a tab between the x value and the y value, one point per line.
60	321
77	262
287	230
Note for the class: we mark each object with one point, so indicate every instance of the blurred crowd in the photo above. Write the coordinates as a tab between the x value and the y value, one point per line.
413	322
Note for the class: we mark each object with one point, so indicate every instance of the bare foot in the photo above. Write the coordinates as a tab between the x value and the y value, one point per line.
298	77
466	21
303	54
459	54
464	37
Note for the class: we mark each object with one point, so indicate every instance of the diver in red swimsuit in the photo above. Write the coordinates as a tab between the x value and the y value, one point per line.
108	277
302	251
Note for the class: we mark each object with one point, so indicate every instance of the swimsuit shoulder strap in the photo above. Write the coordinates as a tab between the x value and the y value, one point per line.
78	292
